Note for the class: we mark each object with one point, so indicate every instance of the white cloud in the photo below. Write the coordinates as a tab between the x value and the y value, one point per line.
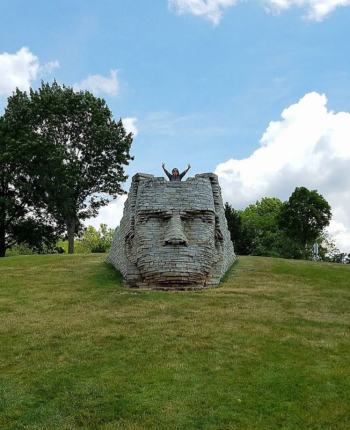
341	235
130	126
17	70
317	10
98	84
20	70
110	215
212	10
309	147
49	67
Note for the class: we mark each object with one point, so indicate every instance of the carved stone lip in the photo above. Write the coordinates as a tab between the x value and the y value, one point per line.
175	242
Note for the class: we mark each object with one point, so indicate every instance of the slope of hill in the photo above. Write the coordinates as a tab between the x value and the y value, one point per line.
268	349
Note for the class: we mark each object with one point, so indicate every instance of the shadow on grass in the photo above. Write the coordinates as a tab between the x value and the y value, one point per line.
108	277
230	272
111	279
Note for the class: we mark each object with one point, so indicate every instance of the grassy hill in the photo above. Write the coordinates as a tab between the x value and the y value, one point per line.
268	349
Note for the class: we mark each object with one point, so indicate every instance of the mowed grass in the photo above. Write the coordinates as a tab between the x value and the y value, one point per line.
267	349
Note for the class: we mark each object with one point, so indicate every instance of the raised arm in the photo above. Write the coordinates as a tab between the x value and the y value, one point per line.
185	171
165	171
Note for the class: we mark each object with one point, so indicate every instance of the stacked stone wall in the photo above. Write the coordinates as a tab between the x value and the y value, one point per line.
173	235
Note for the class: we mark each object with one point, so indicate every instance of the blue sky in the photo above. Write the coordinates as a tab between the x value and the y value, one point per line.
200	82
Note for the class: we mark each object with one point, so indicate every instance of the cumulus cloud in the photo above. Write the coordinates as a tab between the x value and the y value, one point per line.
130	125
341	235
212	10
98	84
317	10
20	70
110	215
308	147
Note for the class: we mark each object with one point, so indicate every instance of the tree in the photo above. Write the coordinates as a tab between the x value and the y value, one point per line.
260	221
327	249
304	217
91	240
99	240
22	221
78	151
255	230
241	237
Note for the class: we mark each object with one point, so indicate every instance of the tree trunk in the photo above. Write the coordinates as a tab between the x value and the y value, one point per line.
71	231
303	252
2	243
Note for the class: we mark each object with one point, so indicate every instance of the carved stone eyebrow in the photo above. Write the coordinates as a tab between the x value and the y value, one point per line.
197	212
169	213
153	212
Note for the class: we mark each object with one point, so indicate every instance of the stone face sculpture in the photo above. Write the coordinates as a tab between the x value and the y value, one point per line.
173	235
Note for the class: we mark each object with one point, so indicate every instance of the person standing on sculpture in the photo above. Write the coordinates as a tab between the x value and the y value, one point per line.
174	176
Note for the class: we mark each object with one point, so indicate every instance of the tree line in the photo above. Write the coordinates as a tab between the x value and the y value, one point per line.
62	157
88	240
273	228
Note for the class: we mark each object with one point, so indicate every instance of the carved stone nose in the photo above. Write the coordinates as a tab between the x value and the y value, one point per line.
175	234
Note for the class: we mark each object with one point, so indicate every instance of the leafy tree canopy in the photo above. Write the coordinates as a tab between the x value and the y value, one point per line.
22	219
241	236
255	230
92	240
304	217
76	151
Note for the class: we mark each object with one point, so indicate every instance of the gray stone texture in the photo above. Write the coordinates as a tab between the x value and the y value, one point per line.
173	235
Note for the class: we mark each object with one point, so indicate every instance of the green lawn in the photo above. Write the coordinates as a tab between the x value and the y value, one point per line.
268	349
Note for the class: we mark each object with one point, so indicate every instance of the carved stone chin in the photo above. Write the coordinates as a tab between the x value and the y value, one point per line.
173	235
